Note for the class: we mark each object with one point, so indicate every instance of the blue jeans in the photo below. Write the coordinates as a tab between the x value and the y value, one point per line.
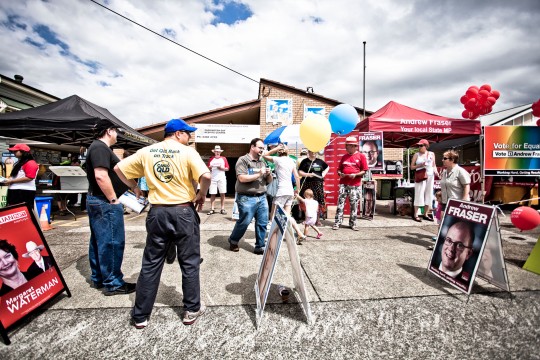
251	207
107	242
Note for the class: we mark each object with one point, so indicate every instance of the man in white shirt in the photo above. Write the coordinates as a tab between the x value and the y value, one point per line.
218	165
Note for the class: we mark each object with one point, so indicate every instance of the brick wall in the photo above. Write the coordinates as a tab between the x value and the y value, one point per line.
298	102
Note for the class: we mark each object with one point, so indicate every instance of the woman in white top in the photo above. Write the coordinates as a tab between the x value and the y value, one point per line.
285	170
22	181
423	191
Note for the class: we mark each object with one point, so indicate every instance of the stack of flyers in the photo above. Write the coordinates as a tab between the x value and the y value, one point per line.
130	200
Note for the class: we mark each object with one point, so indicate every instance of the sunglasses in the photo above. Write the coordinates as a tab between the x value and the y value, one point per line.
446	158
421	145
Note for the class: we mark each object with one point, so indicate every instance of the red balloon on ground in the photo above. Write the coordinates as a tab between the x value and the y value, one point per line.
525	218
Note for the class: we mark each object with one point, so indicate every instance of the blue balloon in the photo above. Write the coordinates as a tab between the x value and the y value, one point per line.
343	119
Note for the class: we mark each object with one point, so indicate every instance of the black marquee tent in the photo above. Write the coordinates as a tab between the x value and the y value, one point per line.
68	122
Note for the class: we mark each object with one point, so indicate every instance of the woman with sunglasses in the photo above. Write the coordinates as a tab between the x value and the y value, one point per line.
455	182
423	191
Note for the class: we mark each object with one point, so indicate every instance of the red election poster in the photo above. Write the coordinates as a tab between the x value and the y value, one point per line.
29	276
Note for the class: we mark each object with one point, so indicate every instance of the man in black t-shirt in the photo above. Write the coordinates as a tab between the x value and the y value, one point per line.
105	213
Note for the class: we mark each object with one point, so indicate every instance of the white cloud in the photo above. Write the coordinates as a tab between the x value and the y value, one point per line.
422	53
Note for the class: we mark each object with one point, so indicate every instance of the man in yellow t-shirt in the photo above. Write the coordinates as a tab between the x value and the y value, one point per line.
172	170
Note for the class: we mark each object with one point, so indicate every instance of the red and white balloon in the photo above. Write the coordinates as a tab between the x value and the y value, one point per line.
525	218
478	101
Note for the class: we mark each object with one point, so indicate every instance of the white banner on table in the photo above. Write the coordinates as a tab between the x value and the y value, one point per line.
226	133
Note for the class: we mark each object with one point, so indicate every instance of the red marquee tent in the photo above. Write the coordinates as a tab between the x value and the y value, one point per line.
404	126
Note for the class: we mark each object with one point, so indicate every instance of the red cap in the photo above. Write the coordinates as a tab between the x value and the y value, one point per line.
423	142
22	147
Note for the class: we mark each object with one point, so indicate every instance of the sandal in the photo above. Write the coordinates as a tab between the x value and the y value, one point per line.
417	219
211	212
223	212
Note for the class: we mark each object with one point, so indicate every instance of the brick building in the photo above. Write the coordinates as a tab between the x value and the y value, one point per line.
259	118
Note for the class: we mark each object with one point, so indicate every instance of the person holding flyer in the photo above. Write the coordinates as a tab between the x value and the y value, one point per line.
173	221
105	213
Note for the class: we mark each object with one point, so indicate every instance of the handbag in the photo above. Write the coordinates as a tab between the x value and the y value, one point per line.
420	175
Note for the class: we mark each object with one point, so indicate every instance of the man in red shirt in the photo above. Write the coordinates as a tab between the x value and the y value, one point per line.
352	167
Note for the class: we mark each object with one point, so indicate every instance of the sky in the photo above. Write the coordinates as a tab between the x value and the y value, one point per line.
420	53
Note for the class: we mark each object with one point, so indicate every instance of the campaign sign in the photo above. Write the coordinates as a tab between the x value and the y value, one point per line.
269	260
29	275
371	145
460	243
369	195
298	274
512	150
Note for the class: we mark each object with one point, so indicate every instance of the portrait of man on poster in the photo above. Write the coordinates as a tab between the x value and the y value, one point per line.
455	255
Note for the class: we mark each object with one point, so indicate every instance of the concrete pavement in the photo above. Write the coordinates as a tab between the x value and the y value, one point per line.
369	293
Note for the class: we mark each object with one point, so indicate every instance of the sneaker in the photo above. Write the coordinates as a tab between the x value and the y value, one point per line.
191	317
234	247
96	285
125	289
258	251
434	238
335	227
319	235
355	228
430	247
140	325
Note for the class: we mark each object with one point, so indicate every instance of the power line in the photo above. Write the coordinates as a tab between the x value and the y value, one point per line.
174	42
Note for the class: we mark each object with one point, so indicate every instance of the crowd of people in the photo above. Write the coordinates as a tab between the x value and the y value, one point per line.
176	180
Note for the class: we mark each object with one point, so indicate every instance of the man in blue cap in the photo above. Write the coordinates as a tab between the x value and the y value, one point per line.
172	170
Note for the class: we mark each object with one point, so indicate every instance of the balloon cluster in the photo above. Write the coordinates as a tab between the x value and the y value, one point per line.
315	130
536	108
478	101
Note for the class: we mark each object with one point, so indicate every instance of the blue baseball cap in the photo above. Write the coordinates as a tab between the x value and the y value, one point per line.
178	125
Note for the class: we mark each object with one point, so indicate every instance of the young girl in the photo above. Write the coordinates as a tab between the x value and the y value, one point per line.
311	212
438	211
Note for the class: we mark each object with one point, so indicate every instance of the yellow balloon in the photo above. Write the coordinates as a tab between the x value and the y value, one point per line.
315	132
